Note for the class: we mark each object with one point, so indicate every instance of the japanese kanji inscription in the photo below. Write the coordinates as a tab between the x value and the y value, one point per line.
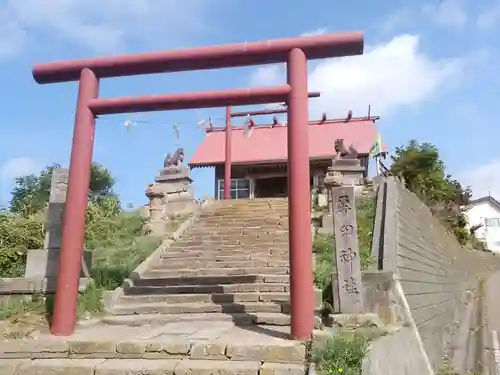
350	291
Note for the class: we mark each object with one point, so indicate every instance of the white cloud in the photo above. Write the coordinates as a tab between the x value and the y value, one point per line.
102	26
483	179
395	20
388	76
267	75
489	18
12	35
320	31
13	168
17	167
446	13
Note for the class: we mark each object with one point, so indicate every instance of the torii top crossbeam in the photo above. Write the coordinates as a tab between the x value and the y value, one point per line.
223	56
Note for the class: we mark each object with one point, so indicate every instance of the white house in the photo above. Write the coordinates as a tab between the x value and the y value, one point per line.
486	212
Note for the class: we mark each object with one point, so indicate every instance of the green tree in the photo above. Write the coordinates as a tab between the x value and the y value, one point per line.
31	193
423	171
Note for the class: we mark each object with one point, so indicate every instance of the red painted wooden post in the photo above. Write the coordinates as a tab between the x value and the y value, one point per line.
68	278
227	160
301	277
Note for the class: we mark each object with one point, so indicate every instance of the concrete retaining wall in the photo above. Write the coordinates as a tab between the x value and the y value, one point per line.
438	276
396	354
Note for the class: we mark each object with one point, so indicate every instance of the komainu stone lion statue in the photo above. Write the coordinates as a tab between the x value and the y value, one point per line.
174	160
341	152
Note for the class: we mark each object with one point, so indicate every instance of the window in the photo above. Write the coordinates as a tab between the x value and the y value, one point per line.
492	222
239	188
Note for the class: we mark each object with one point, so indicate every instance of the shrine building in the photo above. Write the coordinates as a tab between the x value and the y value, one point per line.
259	154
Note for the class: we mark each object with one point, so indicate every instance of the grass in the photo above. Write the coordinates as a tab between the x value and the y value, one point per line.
118	247
448	370
342	354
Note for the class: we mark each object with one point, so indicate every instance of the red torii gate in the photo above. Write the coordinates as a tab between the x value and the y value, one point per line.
294	51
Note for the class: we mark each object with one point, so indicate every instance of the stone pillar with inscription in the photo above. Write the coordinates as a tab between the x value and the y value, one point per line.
44	264
347	282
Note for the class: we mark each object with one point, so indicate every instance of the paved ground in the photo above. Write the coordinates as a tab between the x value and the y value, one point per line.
178	348
203	330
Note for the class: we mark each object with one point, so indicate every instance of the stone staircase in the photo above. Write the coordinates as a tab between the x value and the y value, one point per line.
216	302
232	264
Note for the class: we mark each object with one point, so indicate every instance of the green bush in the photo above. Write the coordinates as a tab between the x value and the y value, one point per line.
18	234
114	237
341	354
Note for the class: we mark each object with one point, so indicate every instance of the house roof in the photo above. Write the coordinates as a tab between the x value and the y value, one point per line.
267	144
487	199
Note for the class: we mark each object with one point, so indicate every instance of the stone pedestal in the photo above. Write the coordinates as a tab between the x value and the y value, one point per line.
175	184
170	195
44	264
346	172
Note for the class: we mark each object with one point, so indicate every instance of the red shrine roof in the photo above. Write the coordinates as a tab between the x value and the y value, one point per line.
267	144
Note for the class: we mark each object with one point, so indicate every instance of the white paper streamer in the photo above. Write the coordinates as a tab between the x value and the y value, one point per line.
247	129
175	127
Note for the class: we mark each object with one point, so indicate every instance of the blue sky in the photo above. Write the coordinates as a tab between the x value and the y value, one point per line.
429	70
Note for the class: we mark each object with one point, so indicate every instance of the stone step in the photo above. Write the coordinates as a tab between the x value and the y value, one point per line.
245	204
209	253
211	257
231	250
211	242
196	263
226	236
237	238
211	280
203	226
199	228
238	222
250	203
248	213
222	235
247	208
215	256
239	319
214	298
200	308
201	289
252	219
132	365
231	243
147	366
218	256
165	273
269	242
